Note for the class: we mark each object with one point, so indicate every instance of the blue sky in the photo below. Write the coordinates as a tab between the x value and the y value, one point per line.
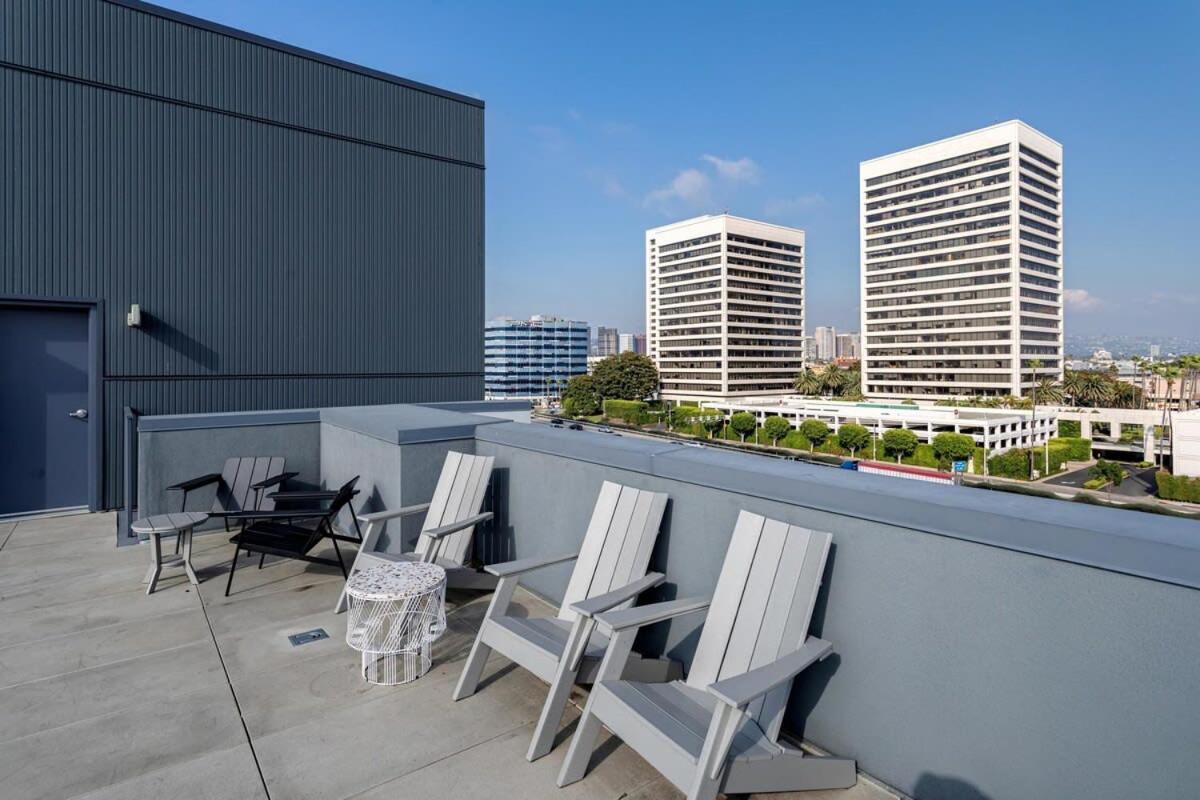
604	119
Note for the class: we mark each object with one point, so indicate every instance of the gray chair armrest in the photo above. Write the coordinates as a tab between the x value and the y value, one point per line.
455	527
603	602
381	516
509	568
739	690
648	615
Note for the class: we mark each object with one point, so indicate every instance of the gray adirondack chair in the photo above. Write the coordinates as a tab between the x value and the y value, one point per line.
450	520
240	484
610	572
718	731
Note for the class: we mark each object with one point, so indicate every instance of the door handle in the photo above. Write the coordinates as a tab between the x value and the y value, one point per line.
79	413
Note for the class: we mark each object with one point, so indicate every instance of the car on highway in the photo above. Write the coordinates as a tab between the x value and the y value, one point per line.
557	423
575	426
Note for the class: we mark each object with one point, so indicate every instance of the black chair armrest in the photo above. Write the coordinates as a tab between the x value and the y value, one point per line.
195	483
304	494
274	480
246	516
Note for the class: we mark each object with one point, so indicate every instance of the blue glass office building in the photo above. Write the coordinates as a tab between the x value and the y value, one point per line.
533	357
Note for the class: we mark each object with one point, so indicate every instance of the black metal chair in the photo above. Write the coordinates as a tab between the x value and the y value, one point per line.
293	533
240	486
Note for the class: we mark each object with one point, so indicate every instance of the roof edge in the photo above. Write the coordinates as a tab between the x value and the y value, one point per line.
283	47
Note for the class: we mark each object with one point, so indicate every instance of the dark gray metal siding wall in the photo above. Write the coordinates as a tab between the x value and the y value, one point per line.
298	234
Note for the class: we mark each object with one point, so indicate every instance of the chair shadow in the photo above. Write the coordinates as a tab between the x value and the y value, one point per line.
931	786
603	751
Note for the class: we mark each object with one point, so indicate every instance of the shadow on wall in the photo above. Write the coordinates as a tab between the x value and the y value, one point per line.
945	787
494	541
809	686
193	350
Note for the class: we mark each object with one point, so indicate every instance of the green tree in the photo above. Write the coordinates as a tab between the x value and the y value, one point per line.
852	387
1109	471
626	376
776	427
899	442
853	437
808	382
712	422
581	398
833	379
950	447
743	423
815	431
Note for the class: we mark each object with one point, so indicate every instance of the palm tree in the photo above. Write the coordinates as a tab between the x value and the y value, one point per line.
1139	372
1034	365
1168	371
1050	390
808	382
1096	389
1073	385
833	379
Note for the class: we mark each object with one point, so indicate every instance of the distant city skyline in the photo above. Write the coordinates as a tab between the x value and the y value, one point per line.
581	158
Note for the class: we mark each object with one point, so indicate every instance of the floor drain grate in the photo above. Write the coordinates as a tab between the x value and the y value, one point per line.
315	635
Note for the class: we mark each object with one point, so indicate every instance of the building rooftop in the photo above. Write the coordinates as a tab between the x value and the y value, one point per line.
965	624
186	693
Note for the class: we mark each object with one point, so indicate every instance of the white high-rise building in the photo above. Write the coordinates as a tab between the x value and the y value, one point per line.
826	339
962	265
725	307
847	345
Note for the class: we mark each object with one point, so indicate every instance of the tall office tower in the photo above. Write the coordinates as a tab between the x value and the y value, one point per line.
534	357
847	345
725	307
625	343
826	339
639	343
962	265
607	342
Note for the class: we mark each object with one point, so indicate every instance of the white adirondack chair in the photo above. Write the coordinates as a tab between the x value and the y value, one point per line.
718	731
450	520
610	572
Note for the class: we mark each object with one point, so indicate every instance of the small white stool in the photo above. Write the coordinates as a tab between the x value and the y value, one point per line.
180	525
396	611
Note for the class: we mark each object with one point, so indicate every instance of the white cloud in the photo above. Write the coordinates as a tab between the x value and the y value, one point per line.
609	183
690	187
1081	300
743	169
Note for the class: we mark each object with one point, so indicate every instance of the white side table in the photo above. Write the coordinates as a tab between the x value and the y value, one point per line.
396	611
180	525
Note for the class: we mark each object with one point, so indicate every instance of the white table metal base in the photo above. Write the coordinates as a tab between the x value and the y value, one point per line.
179	525
396	611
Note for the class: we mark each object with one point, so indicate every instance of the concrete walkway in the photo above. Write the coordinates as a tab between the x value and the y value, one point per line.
108	693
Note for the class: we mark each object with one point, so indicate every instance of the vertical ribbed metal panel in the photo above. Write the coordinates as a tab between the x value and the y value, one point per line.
297	234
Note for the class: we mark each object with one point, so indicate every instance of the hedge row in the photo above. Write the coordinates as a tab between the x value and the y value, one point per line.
632	411
1069	428
1077	449
1177	487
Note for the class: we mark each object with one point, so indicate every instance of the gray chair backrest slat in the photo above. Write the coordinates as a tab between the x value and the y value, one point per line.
762	606
459	494
618	543
274	467
239	474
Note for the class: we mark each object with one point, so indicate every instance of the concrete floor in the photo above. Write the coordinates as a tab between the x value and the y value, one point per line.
108	693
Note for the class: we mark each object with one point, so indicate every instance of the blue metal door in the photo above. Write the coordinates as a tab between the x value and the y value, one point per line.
44	414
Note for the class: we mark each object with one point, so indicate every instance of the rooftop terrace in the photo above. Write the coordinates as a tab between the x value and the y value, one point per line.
189	694
986	645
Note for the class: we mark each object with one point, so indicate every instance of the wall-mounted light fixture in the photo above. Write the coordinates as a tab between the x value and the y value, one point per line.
134	318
